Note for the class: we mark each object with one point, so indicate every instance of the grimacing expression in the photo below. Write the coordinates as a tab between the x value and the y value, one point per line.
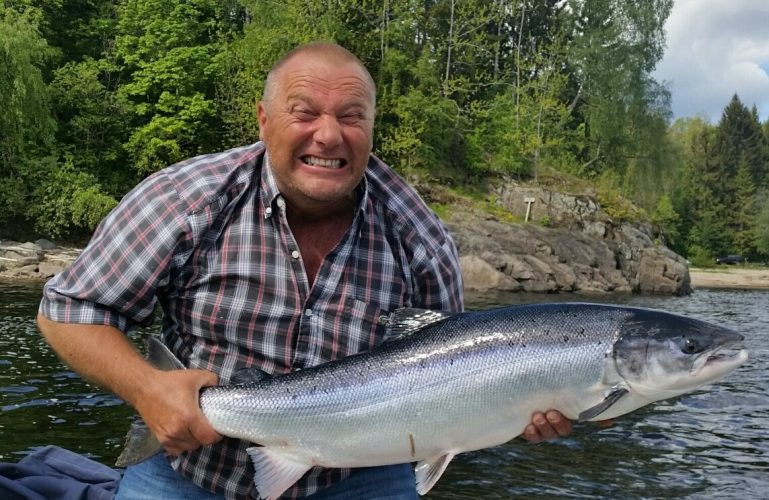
318	129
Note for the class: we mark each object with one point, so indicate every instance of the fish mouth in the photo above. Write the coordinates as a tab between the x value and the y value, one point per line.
720	360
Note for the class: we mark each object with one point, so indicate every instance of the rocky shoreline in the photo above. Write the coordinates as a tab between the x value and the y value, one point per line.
33	261
37	261
495	255
590	258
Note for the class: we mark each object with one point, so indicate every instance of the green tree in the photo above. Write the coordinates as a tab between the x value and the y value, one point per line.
762	227
744	213
668	220
169	52
739	140
26	126
616	46
92	123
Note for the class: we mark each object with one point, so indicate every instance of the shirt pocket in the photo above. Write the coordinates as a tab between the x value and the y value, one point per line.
353	326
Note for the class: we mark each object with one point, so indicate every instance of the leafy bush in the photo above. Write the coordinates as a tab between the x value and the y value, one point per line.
700	257
68	201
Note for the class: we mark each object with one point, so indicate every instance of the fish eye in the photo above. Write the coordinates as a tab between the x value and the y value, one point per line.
690	345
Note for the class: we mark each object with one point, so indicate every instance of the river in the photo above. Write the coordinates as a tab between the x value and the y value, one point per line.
713	443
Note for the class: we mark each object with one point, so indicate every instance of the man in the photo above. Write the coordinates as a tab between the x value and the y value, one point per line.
281	255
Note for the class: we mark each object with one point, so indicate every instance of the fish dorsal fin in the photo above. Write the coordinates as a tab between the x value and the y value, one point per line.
161	356
614	396
248	376
407	320
274	472
428	473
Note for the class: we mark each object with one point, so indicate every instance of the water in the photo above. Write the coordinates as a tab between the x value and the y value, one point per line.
713	443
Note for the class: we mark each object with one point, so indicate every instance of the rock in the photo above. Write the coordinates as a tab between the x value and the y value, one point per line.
480	275
45	244
33	261
533	258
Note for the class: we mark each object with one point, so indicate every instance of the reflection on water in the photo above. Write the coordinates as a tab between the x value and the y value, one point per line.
41	401
711	443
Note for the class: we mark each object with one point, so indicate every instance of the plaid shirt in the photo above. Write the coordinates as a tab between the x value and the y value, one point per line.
208	240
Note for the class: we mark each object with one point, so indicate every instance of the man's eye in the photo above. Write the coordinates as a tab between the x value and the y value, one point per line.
303	113
351	118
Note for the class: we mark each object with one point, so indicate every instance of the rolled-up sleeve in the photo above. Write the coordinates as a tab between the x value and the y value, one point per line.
115	278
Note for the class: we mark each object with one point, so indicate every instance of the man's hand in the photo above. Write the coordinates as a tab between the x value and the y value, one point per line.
170	408
551	424
166	400
546	426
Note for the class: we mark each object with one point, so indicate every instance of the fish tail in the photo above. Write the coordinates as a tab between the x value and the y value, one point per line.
140	445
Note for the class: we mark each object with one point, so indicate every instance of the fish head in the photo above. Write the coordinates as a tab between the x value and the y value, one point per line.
661	355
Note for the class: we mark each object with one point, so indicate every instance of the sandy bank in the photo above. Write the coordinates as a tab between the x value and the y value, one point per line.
730	277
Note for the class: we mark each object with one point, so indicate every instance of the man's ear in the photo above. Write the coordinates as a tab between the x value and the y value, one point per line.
261	116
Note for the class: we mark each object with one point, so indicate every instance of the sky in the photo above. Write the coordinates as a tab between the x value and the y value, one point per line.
716	48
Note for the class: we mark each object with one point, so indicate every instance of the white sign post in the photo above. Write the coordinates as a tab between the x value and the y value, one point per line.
529	201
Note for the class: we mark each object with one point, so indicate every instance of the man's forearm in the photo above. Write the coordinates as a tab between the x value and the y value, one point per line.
166	400
101	354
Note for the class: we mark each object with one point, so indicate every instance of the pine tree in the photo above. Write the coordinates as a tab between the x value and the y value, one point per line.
744	213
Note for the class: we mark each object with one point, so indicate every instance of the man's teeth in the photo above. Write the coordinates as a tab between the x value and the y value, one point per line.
322	162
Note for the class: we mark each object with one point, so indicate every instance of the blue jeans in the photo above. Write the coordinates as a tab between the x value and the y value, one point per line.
154	479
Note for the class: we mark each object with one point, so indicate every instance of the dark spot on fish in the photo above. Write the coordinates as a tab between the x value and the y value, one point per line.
565	338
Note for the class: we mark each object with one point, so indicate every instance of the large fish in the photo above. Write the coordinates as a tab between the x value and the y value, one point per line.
446	384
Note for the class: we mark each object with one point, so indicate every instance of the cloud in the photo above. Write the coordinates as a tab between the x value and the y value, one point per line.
716	48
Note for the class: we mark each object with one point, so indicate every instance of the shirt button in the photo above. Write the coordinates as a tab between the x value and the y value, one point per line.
267	212
295	254
308	312
280	202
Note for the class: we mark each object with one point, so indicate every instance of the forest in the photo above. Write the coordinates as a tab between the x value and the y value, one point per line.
97	94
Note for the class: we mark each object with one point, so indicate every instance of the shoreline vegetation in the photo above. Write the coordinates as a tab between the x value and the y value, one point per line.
730	277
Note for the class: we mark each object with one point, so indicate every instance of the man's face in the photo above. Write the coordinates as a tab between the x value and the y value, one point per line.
318	129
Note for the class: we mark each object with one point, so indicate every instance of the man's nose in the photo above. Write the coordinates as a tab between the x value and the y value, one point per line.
329	131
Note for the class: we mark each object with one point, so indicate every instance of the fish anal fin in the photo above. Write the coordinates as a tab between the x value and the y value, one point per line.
428	473
614	396
274	472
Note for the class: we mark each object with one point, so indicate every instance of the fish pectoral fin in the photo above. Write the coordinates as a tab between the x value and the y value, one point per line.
428	473
614	396
274	471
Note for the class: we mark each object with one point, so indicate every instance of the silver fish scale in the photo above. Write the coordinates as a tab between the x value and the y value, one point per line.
390	405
